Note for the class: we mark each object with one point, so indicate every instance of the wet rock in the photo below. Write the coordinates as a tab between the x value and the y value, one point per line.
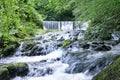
60	38
4	74
68	58
74	33
20	69
101	45
85	46
27	46
12	70
43	61
98	42
112	72
76	67
102	48
113	43
66	43
36	50
38	37
100	63
75	43
8	51
49	71
42	72
77	62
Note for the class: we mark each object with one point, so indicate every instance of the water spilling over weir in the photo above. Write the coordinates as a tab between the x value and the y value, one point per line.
64	25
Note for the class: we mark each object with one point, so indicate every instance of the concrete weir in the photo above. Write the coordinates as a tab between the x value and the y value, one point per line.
64	25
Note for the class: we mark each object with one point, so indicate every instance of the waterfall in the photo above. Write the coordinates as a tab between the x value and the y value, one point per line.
64	25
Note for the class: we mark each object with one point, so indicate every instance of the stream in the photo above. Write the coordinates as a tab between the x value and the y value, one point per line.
48	60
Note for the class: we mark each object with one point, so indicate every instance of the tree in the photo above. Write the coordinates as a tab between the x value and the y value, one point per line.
15	17
104	15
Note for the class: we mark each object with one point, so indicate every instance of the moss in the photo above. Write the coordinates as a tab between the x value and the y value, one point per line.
9	47
4	74
41	31
9	50
112	72
19	69
67	42
12	70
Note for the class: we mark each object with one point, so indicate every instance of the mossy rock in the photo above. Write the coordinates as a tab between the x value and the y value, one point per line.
4	74
8	71
9	50
28	45
67	42
112	72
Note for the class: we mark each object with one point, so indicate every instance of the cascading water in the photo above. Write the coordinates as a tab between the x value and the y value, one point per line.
64	25
116	35
47	60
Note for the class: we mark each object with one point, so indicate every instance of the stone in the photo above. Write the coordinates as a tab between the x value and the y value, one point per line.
9	50
43	72
27	46
111	72
76	67
19	69
85	46
12	70
4	74
102	48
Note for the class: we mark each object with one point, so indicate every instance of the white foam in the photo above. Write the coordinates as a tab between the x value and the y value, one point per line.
60	76
53	55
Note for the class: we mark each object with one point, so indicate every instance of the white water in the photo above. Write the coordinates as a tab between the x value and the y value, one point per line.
64	25
62	76
53	55
115	37
57	66
53	61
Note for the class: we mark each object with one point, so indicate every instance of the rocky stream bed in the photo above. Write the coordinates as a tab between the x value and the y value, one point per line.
63	55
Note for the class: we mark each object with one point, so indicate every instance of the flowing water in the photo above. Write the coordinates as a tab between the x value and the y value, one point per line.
62	64
64	25
47	67
51	67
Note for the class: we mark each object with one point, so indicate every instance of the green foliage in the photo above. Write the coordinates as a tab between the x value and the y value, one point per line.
9	19
104	16
112	72
67	42
18	18
54	9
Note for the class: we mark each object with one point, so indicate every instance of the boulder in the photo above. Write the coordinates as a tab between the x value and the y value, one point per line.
27	46
8	51
12	70
112	72
4	74
85	46
76	67
100	46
